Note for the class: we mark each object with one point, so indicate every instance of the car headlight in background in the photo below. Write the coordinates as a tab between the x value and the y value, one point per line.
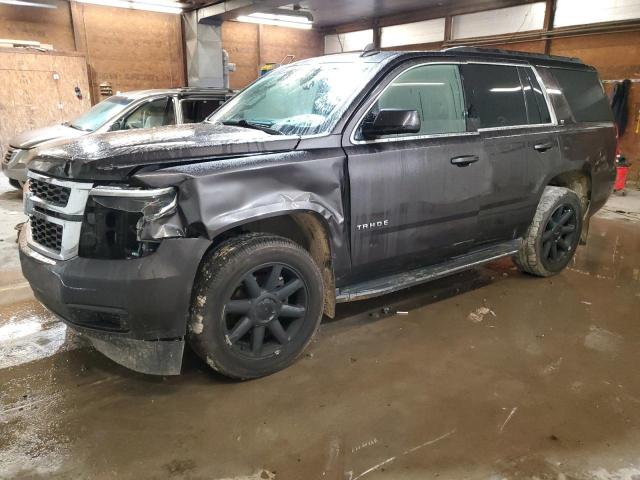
114	218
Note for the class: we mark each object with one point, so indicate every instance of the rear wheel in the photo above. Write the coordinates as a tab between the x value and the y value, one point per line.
257	304
553	236
15	184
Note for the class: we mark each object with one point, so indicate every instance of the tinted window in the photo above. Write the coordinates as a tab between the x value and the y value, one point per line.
537	109
195	111
494	96
155	113
435	91
584	93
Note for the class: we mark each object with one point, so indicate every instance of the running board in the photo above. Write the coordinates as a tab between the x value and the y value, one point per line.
399	281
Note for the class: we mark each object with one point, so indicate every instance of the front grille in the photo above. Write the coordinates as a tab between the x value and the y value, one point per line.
55	208
8	154
50	193
47	234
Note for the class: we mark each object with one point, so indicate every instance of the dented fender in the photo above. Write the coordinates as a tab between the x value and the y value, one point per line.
218	195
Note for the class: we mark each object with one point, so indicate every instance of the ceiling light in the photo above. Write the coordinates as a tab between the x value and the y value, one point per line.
147	5
26	3
290	20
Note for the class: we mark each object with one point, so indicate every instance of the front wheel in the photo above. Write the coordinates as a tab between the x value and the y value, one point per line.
257	304
553	236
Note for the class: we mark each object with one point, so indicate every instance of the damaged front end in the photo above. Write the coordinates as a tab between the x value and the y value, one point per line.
113	263
127	222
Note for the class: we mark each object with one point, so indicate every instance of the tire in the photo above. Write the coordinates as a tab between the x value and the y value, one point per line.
15	184
245	329
556	227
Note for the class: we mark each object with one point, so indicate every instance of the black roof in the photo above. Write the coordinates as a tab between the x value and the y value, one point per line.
494	52
455	52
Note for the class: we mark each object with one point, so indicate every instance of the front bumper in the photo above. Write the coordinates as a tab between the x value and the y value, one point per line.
133	311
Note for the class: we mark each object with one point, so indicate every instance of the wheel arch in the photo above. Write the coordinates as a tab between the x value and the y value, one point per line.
579	181
304	227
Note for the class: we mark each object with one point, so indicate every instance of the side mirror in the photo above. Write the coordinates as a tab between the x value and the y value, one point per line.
116	126
392	121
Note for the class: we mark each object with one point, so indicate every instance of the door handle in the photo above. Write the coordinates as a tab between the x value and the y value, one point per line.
543	147
464	160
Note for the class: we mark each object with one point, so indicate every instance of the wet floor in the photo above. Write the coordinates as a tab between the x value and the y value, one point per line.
490	374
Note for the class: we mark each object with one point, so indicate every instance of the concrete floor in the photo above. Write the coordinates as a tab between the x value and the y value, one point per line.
490	374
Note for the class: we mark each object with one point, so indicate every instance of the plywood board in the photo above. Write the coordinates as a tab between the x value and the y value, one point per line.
38	89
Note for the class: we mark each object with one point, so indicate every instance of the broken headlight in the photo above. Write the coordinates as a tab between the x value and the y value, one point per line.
114	219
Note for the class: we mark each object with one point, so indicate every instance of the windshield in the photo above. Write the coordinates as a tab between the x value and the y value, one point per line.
100	113
297	100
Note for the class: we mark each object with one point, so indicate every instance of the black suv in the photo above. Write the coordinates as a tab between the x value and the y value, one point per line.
332	179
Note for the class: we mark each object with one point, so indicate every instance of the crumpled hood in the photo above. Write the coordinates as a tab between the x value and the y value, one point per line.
33	138
114	156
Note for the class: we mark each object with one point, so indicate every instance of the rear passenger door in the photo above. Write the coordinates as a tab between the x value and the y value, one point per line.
195	110
508	108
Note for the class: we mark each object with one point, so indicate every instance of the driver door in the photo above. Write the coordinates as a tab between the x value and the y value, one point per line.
412	201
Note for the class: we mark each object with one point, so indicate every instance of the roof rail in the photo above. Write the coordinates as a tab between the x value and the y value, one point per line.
510	53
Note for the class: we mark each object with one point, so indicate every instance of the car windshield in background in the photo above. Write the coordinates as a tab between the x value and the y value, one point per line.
100	113
296	100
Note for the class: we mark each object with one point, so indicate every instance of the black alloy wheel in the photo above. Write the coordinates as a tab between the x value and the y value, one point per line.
265	310
558	239
257	302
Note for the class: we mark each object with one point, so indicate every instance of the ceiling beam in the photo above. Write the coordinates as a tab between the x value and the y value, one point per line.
456	7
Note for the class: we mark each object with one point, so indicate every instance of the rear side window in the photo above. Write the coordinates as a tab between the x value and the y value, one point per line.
494	96
435	91
584	93
537	109
195	111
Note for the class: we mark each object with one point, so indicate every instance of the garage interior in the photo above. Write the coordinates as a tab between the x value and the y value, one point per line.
487	374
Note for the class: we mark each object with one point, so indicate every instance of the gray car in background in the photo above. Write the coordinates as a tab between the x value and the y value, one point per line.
124	111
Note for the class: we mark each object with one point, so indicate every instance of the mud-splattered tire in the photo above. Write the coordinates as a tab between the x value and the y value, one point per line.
257	303
553	236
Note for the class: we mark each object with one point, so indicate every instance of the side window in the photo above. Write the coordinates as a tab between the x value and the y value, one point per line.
195	111
155	113
585	95
435	91
494	96
537	109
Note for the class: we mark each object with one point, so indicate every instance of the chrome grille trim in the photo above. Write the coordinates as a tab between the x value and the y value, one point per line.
36	207
75	204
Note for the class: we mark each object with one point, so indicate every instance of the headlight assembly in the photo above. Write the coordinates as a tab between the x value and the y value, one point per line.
115	217
152	204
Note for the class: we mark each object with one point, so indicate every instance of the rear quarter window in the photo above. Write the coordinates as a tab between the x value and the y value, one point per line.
584	93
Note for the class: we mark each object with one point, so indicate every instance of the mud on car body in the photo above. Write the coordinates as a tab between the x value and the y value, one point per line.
305	190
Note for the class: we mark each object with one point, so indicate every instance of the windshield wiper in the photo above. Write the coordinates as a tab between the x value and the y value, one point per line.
69	124
255	126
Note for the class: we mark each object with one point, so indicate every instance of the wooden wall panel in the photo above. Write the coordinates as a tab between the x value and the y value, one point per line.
32	96
132	49
615	55
44	25
240	40
536	46
276	42
250	46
